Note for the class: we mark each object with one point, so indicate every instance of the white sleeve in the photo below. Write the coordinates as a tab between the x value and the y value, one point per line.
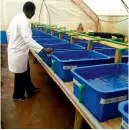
26	33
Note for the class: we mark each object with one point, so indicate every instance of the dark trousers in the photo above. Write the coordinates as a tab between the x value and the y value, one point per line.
23	83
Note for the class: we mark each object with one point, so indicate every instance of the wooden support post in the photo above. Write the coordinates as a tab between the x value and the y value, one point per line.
118	56
90	45
52	32
41	29
35	61
78	120
45	30
60	35
72	40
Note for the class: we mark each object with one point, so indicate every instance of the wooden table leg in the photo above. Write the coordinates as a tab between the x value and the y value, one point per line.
45	30
78	120
90	45
72	40
35	61
118	56
41	29
52	32
60	35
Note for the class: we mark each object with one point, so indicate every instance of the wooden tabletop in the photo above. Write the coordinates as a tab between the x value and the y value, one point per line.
67	88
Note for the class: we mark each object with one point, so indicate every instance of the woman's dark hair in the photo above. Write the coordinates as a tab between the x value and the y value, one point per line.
29	6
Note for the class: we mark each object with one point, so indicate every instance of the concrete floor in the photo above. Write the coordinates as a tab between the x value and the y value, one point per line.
48	109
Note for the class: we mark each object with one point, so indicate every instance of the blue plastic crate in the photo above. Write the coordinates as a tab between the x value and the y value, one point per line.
3	37
41	36
96	45
46	38
49	31
67	37
101	87
81	41
58	41
56	33
123	108
111	54
58	47
63	62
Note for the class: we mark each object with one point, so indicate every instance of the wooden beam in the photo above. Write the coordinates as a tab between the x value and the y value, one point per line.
52	32
45	30
90	45
78	120
60	35
72	40
118	56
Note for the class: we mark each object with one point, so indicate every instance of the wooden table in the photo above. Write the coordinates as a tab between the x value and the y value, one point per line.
81	111
118	53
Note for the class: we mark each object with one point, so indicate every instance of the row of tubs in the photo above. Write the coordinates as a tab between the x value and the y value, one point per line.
100	84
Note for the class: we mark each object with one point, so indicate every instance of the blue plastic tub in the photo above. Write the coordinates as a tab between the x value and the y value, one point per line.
123	108
95	45
58	47
41	36
49	31
42	42
81	41
63	62
3	37
111	54
46	38
67	37
101	87
56	34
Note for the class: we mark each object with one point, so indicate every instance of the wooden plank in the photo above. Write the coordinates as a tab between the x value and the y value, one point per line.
115	123
78	120
118	56
60	35
52	32
69	85
83	37
115	45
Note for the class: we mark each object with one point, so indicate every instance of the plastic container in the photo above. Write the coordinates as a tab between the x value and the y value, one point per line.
49	31
123	108
63	62
111	54
58	47
101	87
41	36
56	34
81	41
3	37
67	37
95	45
46	38
43	42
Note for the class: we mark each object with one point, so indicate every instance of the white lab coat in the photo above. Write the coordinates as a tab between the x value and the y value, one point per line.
20	42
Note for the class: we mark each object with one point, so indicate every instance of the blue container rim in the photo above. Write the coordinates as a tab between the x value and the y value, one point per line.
102	91
66	61
97	50
121	108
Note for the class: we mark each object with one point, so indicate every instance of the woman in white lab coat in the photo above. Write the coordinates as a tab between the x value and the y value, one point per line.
20	42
